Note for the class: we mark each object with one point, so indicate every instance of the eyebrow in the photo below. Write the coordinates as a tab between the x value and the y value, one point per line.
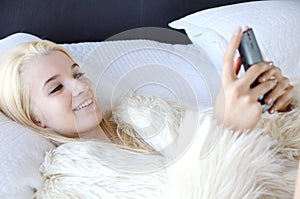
56	76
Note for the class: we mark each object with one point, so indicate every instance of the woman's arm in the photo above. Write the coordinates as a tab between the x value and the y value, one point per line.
236	106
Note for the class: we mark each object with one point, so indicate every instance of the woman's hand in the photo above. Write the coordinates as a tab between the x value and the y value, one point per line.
237	106
282	94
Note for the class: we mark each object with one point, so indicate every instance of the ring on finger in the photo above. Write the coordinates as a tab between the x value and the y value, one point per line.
272	77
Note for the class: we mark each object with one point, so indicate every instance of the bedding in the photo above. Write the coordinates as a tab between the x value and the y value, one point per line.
151	67
275	24
181	73
258	164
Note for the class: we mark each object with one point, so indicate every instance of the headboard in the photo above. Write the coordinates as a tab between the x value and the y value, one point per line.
71	21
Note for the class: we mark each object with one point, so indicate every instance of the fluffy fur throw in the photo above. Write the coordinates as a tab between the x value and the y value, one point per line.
199	160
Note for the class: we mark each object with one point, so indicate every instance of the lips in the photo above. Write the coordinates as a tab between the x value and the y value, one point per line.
83	105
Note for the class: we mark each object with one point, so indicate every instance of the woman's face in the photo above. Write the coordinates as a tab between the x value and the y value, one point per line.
63	98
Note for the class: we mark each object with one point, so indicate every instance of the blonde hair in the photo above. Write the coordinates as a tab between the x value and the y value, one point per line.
16	104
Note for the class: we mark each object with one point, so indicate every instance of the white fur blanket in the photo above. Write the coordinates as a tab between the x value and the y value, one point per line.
203	161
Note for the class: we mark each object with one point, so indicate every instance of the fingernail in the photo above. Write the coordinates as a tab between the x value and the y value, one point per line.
273	109
270	101
246	27
275	82
238	30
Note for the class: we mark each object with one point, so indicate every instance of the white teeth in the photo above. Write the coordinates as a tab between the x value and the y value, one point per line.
84	104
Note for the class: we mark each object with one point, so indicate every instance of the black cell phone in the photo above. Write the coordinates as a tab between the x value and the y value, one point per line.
250	54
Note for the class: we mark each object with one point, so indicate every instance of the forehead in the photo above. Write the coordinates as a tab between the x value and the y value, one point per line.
41	68
55	60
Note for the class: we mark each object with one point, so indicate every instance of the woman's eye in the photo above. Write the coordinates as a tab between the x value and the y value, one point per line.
56	89
78	75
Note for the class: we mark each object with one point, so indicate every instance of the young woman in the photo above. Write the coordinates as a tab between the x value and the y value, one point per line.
43	88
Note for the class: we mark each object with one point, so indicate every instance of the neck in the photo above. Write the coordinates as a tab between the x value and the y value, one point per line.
96	134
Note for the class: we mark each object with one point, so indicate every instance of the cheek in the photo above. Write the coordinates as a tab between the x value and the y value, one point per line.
90	85
52	109
93	92
61	104
58	115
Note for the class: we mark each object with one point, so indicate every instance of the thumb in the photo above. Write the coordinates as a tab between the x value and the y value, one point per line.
229	70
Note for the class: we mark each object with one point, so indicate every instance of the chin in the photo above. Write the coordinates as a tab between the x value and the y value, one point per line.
94	119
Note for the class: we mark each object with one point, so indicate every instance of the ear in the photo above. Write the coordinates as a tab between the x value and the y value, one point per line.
40	124
37	117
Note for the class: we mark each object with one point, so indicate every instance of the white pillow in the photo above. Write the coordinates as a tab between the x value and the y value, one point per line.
21	150
21	153
15	39
181	73
275	23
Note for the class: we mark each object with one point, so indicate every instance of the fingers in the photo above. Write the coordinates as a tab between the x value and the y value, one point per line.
278	90
284	100
270	78
255	71
273	72
282	93
229	73
263	88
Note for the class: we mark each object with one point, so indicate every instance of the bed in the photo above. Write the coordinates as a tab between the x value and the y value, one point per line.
139	47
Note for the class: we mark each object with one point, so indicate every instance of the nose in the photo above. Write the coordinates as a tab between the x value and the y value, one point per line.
79	87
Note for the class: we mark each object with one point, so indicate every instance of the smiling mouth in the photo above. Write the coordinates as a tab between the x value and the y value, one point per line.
84	105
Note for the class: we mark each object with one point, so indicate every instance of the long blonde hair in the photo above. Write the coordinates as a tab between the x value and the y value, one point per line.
15	100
